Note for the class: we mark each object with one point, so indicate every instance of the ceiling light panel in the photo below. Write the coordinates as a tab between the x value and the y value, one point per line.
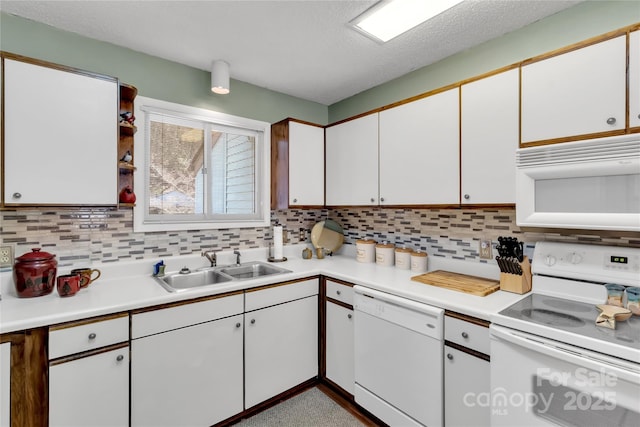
390	18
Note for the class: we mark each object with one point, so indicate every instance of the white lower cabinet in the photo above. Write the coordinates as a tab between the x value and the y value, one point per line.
91	390
466	389
281	347
183	372
339	346
5	384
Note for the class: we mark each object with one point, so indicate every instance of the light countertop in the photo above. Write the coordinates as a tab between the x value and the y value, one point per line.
128	285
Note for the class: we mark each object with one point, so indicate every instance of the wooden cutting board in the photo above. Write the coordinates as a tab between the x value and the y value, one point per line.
459	282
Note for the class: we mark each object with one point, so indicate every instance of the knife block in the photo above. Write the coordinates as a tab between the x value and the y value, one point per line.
516	283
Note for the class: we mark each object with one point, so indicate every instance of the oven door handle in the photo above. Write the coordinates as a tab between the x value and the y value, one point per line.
585	359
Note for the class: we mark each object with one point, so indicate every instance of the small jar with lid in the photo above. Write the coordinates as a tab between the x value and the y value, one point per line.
419	261
366	250
34	273
403	258
384	254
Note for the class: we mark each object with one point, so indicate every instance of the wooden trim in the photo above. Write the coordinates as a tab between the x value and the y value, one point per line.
280	165
466	318
65	359
340	303
460	146
342	282
275	285
292	119
467	350
322	330
572	138
489	74
346	401
306	206
88	321
185	302
488	206
59	67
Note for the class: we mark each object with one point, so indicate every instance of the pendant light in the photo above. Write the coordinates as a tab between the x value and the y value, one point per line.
220	77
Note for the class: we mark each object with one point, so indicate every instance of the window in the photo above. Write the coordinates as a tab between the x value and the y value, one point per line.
201	169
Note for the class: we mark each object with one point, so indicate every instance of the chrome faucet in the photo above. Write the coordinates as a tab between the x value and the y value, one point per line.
237	254
211	256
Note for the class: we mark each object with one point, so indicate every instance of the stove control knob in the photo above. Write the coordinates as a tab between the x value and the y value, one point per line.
550	260
575	258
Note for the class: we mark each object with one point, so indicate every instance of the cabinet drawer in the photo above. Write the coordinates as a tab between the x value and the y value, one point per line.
278	294
340	292
467	334
167	319
67	340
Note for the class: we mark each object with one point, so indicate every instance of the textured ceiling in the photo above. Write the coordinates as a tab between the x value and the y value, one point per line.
302	48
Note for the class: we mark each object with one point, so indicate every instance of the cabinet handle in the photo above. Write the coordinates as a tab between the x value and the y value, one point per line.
611	121
253	321
92	336
449	356
465	335
295	200
349	316
382	199
17	195
338	292
639	116
238	325
467	197
373	200
120	358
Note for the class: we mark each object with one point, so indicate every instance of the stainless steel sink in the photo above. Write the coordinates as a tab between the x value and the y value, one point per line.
252	270
186	279
180	281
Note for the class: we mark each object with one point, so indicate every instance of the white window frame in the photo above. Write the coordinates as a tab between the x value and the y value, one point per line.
141	220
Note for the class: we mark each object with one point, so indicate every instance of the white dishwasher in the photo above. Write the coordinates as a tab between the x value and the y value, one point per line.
398	358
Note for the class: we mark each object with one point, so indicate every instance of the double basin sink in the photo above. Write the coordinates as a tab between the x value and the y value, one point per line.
186	279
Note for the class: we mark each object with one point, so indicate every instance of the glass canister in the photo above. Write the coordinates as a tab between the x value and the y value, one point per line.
633	300
34	273
615	294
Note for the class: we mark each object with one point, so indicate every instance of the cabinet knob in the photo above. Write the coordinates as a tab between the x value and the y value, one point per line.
92	336
449	356
120	358
611	121
373	200
382	199
639	116
467	197
17	195
295	200
465	335
238	325
349	316
253	321
338	292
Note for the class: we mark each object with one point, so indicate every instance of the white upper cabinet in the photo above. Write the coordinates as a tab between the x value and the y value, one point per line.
578	93
352	162
634	79
419	151
60	136
306	165
489	135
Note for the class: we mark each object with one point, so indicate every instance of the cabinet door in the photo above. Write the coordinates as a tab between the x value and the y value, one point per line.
489	135
281	348
419	152
580	92
466	389
306	165
190	376
352	162
60	137
90	391
5	384
339	346
634	79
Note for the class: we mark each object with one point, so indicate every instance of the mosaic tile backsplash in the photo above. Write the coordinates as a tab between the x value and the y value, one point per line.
79	235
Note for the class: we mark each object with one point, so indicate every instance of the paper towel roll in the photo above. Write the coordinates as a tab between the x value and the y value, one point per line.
277	242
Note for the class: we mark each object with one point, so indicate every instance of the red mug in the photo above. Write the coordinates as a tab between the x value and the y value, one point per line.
68	284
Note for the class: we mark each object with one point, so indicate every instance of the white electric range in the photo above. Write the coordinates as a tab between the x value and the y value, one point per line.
550	363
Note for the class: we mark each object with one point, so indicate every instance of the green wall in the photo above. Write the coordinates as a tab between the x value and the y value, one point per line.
573	25
154	77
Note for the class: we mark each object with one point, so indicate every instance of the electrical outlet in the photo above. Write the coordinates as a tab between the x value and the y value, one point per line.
485	249
6	256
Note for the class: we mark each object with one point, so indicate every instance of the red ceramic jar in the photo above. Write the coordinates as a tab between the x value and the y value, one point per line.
34	274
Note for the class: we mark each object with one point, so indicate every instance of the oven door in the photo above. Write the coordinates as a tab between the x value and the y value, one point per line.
536	381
